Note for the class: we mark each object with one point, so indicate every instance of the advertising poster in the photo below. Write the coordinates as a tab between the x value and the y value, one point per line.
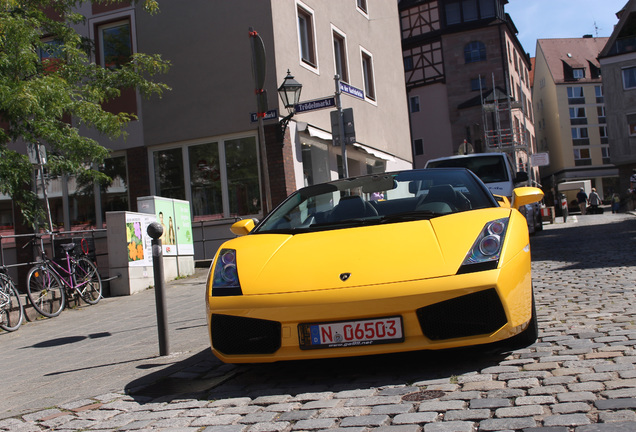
138	242
165	216
184	227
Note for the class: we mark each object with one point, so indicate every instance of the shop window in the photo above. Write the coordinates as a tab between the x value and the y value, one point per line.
223	175
205	180
242	177
169	180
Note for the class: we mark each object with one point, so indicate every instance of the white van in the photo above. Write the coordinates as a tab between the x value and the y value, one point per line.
497	173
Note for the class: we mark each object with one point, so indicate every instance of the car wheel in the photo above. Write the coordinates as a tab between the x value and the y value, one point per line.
529	335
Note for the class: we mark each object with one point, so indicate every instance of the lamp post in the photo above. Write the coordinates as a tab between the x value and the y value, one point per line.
289	92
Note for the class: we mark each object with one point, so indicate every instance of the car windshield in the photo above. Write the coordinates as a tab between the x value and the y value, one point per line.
378	199
490	169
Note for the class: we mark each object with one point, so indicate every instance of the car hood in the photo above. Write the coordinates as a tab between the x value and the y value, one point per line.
378	254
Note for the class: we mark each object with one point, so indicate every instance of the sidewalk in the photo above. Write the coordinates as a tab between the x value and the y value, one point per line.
94	350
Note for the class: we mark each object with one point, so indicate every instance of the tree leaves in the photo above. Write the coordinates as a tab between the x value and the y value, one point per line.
52	91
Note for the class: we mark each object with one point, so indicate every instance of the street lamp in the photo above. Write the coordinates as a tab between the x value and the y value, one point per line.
289	92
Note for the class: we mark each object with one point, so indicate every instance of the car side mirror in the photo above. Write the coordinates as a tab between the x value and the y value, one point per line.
526	195
242	227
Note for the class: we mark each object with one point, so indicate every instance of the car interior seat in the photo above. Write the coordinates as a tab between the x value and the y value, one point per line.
352	207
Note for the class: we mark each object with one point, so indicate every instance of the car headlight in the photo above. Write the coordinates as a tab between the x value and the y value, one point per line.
485	252
225	280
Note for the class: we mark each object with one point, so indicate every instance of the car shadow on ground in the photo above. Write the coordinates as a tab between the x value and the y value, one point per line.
204	377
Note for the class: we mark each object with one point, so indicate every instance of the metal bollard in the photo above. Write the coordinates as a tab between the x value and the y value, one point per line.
154	231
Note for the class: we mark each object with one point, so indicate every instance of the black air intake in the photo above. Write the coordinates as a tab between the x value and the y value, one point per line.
470	315
233	335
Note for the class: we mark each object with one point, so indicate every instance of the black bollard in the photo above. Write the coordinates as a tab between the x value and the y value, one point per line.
154	231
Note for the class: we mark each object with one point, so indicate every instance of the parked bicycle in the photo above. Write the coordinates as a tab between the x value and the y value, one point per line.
51	284
11	309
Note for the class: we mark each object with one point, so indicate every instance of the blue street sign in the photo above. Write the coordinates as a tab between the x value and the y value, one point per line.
351	90
271	114
315	104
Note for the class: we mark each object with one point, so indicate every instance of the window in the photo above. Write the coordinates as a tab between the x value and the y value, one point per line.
577	116
367	73
115	44
415	104
340	56
580	136
306	36
487	8
575	95
223	177
475	52
469	8
631	123
418	146
362	5
582	157
605	152
578	73
477	84
598	90
629	78
169	180
458	11
408	63
602	130
453	13
601	114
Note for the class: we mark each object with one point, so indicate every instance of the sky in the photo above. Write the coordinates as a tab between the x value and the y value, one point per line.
547	19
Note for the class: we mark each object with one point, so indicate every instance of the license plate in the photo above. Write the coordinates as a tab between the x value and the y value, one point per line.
351	333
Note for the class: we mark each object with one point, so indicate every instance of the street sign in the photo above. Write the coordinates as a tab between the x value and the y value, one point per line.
540	159
271	114
351	90
349	126
315	104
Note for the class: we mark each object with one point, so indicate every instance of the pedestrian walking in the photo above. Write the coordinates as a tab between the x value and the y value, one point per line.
581	198
616	203
595	201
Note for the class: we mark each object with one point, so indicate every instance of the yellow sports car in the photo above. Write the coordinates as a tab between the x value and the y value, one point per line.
392	262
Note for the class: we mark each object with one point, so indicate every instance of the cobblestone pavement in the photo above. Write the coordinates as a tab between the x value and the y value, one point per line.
580	376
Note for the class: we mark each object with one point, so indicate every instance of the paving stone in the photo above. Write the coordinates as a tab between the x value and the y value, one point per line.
566	420
507	424
519	411
314	424
455	426
490	403
412	418
365	421
571	407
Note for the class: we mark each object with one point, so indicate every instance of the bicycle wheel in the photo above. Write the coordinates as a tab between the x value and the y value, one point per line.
87	281
11	310
45	291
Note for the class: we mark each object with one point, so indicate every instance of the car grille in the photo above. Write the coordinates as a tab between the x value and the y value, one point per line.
470	315
237	335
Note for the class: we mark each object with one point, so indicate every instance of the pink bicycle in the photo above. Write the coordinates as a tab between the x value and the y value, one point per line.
50	284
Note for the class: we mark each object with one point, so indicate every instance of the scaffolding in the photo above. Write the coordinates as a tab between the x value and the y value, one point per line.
501	132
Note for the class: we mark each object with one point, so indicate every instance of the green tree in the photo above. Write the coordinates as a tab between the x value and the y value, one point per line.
50	86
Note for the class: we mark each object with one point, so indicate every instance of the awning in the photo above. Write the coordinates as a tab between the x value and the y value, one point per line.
318	133
377	153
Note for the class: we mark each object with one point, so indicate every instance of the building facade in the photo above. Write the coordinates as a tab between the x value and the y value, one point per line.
570	114
467	78
202	141
618	64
